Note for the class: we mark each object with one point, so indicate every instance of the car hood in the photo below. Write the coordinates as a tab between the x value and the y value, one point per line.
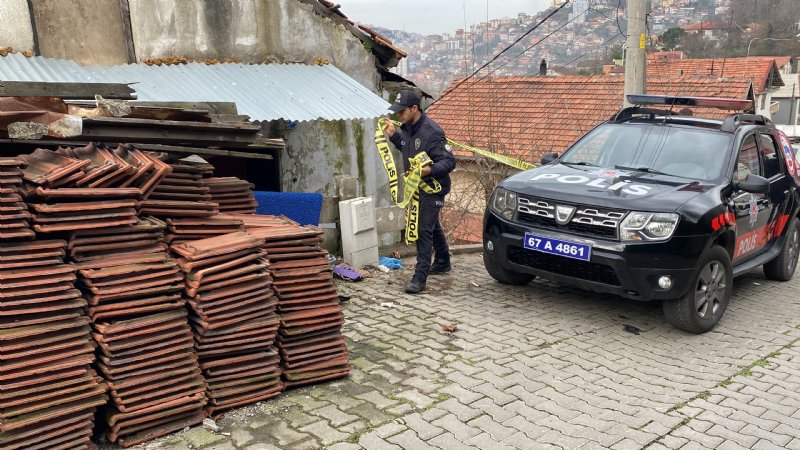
610	188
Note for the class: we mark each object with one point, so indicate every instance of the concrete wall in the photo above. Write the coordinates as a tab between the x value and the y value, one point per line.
87	31
250	30
16	31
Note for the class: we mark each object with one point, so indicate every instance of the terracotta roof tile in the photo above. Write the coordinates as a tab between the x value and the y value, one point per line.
524	117
762	70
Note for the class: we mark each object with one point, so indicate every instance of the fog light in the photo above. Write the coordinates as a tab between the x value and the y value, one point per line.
489	245
665	282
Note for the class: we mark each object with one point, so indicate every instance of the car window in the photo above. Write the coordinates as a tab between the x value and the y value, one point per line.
608	145
772	164
747	161
692	153
687	152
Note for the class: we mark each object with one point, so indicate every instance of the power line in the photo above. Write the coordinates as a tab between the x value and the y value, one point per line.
516	41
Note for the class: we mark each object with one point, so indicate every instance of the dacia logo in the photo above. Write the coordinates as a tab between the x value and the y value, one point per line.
564	214
624	186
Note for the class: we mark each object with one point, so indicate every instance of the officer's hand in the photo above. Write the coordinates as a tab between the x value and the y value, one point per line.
388	127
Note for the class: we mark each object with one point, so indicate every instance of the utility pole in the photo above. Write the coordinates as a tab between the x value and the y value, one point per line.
636	52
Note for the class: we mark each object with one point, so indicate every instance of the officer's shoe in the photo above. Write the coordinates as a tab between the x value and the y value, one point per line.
440	266
415	287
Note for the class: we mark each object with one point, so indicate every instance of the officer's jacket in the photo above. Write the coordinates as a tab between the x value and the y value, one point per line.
426	135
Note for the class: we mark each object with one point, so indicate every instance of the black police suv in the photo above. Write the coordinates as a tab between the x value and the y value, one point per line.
654	205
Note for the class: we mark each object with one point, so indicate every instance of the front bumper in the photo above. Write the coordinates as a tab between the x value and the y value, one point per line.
628	270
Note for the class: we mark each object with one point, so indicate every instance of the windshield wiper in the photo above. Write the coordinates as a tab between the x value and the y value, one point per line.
579	163
643	169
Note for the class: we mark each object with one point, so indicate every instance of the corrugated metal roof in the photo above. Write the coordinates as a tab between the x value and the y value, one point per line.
262	91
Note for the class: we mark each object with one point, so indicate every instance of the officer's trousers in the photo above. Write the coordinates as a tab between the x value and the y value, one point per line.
431	237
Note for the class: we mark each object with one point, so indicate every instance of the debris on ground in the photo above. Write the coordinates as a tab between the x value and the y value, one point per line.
449	327
631	329
347	273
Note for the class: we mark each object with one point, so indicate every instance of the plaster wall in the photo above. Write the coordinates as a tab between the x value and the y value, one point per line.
87	31
252	31
16	31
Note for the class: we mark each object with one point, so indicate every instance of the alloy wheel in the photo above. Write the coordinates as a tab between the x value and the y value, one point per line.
710	288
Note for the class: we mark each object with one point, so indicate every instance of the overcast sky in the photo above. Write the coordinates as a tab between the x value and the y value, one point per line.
434	16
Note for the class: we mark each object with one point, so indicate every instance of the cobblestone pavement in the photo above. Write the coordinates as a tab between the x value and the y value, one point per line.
539	366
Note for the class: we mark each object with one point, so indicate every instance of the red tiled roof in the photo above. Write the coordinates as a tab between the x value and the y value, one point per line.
705	25
525	117
760	69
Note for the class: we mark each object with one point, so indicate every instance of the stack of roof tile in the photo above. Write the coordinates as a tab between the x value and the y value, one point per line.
234	318
146	351
14	215
48	392
153	376
233	195
190	229
182	193
124	166
310	339
68	209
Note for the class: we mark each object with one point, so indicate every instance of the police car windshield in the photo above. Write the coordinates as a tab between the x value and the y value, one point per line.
679	151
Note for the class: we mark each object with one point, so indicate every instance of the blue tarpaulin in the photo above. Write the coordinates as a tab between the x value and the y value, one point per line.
302	207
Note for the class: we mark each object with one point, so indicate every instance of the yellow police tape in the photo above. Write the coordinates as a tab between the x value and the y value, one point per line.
412	183
412	180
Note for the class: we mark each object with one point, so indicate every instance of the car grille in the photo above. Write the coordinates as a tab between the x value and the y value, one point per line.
574	268
587	220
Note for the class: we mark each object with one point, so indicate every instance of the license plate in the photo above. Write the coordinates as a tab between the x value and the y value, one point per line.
558	247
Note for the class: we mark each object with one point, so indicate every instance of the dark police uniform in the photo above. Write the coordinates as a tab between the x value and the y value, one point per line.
426	135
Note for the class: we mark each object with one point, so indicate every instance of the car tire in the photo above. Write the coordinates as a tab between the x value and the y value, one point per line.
709	293
503	275
783	266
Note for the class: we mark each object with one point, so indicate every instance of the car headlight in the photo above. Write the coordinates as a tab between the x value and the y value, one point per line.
504	203
644	226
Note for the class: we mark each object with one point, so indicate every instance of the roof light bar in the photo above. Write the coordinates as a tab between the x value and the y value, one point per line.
705	102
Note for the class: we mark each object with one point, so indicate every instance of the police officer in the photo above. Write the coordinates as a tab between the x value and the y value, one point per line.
417	134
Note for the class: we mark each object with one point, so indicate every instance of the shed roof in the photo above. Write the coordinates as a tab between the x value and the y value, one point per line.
523	117
265	92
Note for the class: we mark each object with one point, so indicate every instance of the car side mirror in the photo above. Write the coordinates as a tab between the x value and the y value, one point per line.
755	184
548	158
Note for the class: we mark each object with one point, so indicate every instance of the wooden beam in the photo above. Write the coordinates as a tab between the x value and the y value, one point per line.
212	107
146	147
66	90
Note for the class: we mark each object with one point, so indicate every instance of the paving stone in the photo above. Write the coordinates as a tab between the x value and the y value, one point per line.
463	412
485	441
378	399
408	439
371	441
421	426
390	429
261	446
282	433
495	430
324	432
335	415
241	436
455	426
372	415
200	437
464	396
418	399
224	446
345	446
448	441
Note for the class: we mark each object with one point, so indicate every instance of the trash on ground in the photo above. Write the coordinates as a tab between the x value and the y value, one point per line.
631	329
344	298
387	305
348	273
391	263
449	327
384	269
